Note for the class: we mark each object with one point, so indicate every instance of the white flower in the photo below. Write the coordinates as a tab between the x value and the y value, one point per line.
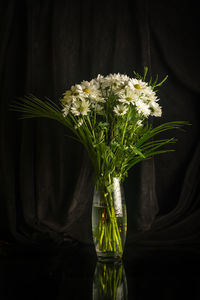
116	81
128	96
89	89
86	87
149	92
80	107
137	85
117	78
156	110
67	97
120	109
149	96
65	110
99	78
142	108
76	90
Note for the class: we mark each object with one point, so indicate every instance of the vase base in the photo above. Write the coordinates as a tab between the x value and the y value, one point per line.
108	257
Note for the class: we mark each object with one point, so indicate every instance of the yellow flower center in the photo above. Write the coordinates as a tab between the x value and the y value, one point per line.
128	99
86	90
137	86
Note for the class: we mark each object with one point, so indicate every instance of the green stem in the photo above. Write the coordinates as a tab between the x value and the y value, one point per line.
125	126
109	235
112	216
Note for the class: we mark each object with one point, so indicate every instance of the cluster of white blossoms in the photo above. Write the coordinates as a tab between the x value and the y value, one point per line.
92	95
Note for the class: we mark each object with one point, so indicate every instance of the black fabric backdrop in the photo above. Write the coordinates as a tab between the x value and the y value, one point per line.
46	178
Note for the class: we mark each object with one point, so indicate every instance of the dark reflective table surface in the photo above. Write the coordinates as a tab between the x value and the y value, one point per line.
74	273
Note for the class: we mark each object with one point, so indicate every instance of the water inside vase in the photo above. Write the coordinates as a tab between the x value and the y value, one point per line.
109	233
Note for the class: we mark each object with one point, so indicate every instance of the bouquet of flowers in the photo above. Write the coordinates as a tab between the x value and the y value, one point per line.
109	115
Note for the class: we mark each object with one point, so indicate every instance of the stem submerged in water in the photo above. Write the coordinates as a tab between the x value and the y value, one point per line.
110	230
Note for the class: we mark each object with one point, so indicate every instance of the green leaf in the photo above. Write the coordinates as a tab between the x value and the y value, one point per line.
145	72
137	151
149	133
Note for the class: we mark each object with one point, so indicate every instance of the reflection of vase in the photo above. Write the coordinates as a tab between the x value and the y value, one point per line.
110	282
109	220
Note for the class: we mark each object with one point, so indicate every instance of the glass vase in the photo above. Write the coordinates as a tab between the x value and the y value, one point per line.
109	220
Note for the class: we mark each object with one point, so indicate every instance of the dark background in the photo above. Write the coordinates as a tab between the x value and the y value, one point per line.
46	178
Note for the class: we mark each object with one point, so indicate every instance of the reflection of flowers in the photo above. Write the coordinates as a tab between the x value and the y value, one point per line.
110	282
